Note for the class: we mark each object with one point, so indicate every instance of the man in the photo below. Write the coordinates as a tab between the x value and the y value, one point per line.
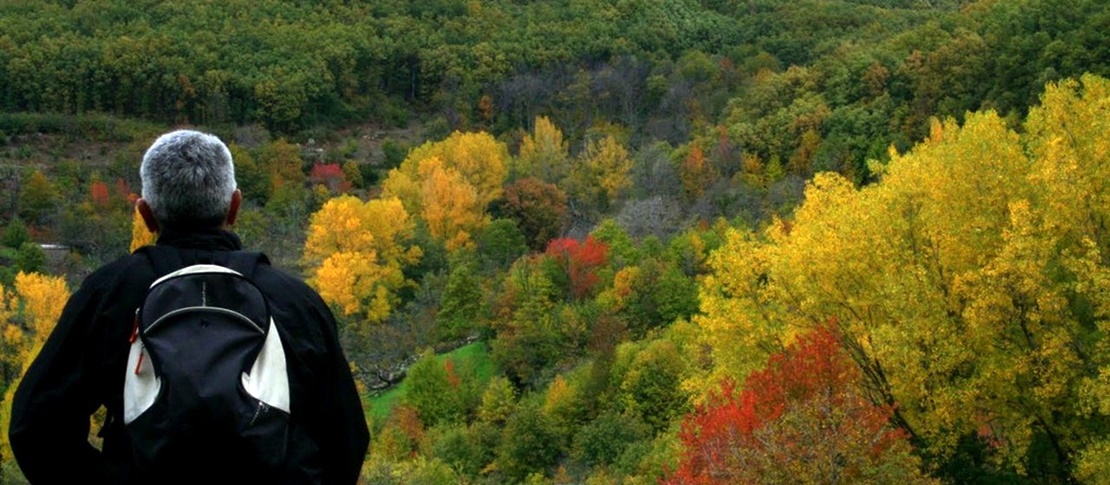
189	197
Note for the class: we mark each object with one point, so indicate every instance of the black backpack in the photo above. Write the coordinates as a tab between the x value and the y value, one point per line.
206	375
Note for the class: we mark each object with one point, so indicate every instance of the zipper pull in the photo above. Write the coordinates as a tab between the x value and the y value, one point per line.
135	328
139	365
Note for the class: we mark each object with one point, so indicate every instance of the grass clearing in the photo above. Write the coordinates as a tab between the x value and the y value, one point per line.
471	359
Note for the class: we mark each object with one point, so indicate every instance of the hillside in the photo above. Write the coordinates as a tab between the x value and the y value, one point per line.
687	235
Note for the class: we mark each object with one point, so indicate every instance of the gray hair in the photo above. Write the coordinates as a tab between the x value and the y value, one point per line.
188	178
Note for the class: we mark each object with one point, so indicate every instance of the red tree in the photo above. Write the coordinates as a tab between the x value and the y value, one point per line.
580	261
99	194
331	176
802	419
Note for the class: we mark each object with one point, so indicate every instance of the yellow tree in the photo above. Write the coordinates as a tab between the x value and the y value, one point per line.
356	252
960	290
1067	139
480	159
739	322
29	315
349	280
601	174
43	298
451	182
543	154
10	353
452	207
140	235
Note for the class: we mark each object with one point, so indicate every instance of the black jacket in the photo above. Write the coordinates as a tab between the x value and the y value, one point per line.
81	368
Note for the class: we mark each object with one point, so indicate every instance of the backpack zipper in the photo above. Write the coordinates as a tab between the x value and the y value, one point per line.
258	411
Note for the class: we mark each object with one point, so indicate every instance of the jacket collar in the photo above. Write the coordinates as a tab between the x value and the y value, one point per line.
205	239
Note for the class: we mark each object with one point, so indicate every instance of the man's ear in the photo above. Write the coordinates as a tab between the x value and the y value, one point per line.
233	208
148	215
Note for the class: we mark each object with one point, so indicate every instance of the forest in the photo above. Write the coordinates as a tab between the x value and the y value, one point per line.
620	241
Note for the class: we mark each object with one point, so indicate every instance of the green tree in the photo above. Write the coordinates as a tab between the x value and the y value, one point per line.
15	234
650	388
530	443
526	322
430	390
651	294
498	401
254	182
603	441
500	243
38	199
539	210
281	161
460	305
31	258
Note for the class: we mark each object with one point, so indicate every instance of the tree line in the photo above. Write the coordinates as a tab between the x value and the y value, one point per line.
819	84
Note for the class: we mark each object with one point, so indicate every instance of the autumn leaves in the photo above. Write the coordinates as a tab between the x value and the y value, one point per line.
969	286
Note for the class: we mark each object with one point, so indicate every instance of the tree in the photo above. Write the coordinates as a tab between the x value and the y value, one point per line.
255	184
286	216
651	294
30	258
650	388
38	199
801	420
529	336
357	253
353	172
99	194
538	208
331	176
653	216
282	161
498	401
604	440
452	208
696	172
15	234
140	234
579	262
11	356
431	392
501	243
529	443
601	174
543	154
1057	257
967	285
30	313
461	301
449	184
479	159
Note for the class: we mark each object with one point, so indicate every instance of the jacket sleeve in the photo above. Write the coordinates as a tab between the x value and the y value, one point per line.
52	405
346	434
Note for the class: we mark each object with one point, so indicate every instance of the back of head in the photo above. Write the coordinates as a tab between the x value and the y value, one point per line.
188	180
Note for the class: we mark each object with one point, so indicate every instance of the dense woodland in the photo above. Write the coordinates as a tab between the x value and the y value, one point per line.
621	241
